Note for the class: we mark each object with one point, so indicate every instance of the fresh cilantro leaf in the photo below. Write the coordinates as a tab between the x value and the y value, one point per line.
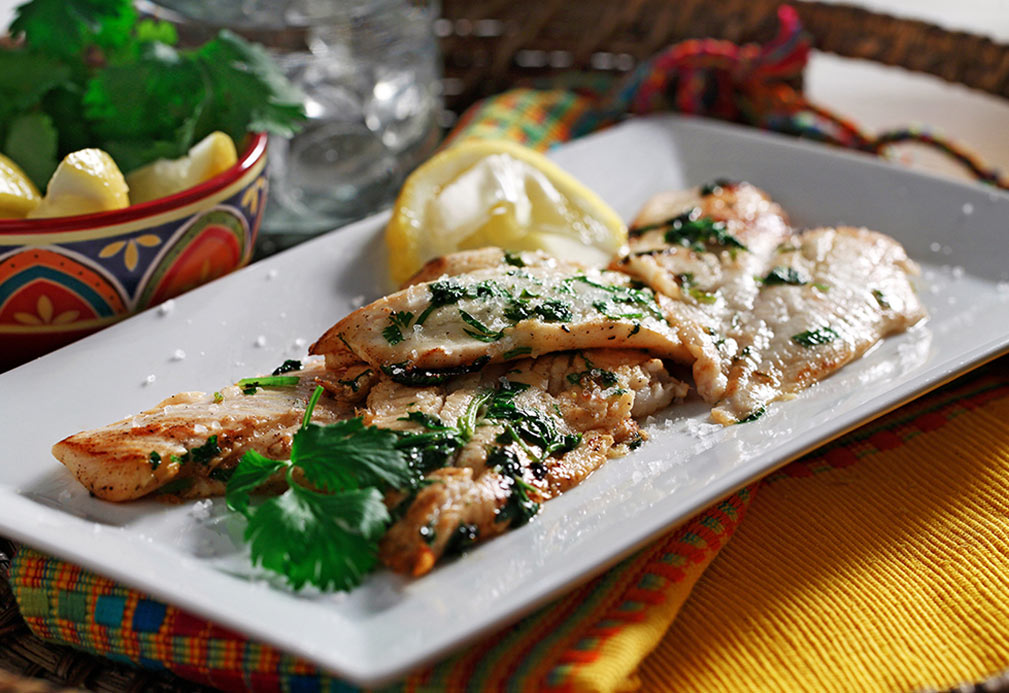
253	471
554	310
25	78
64	28
405	374
287	366
328	540
249	91
443	293
31	142
811	338
398	321
880	298
517	351
431	423
202	454
130	155
753	415
784	275
145	99
349	455
153	30
250	385
480	331
702	296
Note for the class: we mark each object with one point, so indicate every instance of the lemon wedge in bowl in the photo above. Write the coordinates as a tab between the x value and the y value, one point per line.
85	182
212	155
487	192
18	195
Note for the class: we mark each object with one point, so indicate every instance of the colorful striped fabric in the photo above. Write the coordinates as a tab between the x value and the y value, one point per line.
876	563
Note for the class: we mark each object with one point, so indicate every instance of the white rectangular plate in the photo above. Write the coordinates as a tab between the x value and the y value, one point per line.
248	322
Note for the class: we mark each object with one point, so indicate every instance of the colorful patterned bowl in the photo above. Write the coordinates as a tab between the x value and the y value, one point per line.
66	277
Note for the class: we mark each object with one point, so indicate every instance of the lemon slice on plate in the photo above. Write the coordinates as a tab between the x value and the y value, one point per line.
212	155
18	195
481	193
85	182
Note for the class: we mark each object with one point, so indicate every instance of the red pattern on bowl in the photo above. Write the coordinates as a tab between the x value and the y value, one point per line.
65	277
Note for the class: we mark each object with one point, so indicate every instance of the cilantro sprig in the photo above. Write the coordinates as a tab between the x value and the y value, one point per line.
324	529
89	73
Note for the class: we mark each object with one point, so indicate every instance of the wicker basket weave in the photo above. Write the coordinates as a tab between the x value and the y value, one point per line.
492	45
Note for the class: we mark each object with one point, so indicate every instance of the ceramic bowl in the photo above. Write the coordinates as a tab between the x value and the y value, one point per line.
65	277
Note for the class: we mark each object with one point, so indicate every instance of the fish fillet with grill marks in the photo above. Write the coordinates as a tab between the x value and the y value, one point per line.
595	394
766	311
115	462
499	313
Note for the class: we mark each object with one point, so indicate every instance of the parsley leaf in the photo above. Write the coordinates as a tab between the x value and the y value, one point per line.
480	331
64	28
249	91
287	366
252	472
328	540
250	385
349	455
31	141
811	338
784	275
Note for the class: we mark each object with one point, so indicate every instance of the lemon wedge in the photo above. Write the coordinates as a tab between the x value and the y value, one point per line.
85	182
212	155
18	195
484	192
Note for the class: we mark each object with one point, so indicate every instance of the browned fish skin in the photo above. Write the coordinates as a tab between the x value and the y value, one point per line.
592	393
114	462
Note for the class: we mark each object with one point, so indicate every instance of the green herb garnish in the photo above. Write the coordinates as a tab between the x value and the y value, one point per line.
398	321
287	366
480	331
327	534
405	374
702	296
811	338
554	310
517	351
753	415
88	73
201	454
880	298
353	383
443	293
715	186
784	275
513	259
251	385
155	460
600	376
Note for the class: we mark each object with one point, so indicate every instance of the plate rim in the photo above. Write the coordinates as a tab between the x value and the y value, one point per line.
738	477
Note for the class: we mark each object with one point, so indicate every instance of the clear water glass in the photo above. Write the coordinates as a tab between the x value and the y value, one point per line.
370	73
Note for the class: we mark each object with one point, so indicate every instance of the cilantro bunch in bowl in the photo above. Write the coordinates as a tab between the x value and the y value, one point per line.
91	75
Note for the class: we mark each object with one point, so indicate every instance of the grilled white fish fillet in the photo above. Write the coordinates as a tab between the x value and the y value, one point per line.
172	441
461	323
593	394
466	261
851	289
747	288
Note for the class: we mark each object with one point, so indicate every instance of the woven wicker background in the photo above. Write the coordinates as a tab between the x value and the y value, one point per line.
491	45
